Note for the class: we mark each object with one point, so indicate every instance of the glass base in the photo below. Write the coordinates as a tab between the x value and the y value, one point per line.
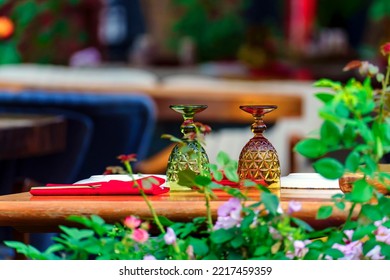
175	187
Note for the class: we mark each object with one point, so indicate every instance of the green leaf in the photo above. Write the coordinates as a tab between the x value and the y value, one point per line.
222	235
363	231
361	191
218	175
231	173
334	253
302	224
235	192
237	241
342	110
325	97
330	133
372	212
369	245
348	135
327	83
199	245
352	161
271	202
385	250
324	212
223	158
165	221
248	220
370	165
77	233
366	133
316	244
186	178
261	250
202	180
340	205
329	168
311	148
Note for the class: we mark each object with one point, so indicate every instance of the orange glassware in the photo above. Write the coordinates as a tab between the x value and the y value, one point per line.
258	159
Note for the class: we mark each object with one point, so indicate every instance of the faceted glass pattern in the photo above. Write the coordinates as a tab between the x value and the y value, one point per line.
258	159
189	155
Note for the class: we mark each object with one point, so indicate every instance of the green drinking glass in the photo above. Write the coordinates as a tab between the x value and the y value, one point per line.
188	155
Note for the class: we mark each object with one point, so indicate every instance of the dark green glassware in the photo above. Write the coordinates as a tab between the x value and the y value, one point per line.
188	155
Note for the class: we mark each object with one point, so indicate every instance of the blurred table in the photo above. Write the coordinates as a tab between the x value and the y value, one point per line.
223	96
26	135
29	213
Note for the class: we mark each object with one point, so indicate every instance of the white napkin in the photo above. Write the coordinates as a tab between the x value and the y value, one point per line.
307	181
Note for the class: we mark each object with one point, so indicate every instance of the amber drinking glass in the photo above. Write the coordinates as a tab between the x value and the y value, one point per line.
188	155
258	159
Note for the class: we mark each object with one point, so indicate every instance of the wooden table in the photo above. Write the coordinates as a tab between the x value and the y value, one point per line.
223	96
26	135
28	213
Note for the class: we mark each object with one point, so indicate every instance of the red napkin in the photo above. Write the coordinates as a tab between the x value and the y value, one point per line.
112	187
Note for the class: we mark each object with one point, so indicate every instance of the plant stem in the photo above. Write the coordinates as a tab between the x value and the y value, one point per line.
150	206
350	213
208	209
385	82
154	214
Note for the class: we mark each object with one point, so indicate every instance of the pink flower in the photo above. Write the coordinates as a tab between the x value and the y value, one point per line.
149	258
300	249
87	57
382	234
203	128
190	252
293	206
127	158
229	214
365	68
140	235
352	250
385	48
275	233
375	253
132	222
170	236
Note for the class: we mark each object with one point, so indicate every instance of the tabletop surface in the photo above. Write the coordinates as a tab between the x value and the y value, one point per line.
24	135
44	213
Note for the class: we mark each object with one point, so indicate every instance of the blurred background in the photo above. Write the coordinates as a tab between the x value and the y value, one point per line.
249	38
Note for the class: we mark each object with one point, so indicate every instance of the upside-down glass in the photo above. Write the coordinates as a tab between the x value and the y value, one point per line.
258	159
188	155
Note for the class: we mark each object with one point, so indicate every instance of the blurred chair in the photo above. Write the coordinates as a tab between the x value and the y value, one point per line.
122	124
99	128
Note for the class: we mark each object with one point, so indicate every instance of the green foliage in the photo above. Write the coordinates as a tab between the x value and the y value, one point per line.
40	29
212	25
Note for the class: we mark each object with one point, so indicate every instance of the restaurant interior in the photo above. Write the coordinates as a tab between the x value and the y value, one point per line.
84	81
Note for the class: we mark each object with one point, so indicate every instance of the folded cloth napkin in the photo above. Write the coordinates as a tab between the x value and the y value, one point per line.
152	185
